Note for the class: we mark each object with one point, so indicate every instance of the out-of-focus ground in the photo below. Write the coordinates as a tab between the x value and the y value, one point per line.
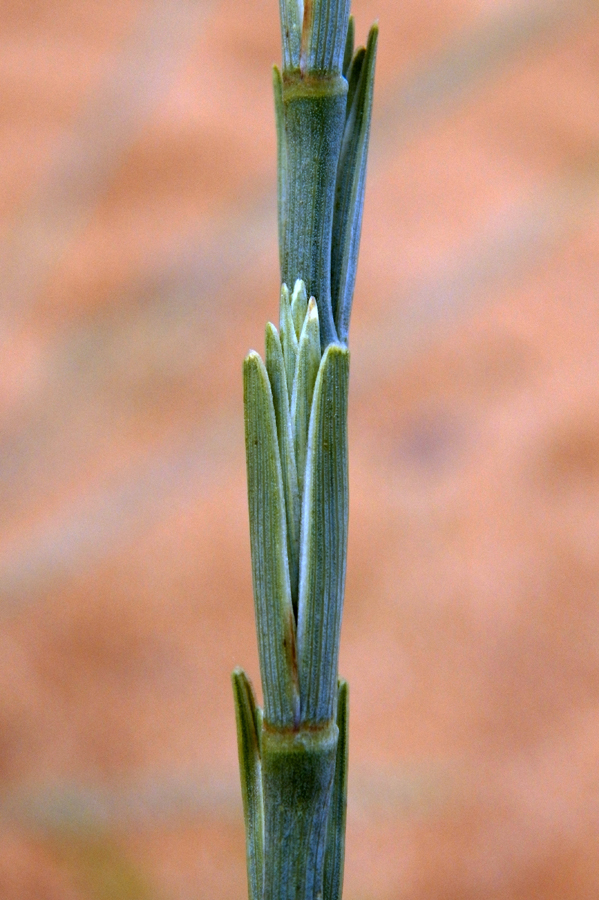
138	264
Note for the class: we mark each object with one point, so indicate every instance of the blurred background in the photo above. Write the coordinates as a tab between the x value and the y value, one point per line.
138	264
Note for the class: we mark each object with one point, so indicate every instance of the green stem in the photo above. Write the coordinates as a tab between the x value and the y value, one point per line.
298	770
313	120
293	758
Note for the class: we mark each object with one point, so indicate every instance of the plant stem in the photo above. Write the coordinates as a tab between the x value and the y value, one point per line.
298	769
314	118
293	758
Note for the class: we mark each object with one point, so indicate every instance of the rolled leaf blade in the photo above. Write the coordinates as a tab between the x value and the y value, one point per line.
277	83
348	53
308	361
288	337
353	80
335	853
268	539
248	746
349	192
275	367
323	539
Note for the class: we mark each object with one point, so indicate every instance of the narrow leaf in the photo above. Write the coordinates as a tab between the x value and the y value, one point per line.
299	306
277	82
268	539
349	194
335	855
288	337
248	746
353	80
324	539
308	361
349	45
275	366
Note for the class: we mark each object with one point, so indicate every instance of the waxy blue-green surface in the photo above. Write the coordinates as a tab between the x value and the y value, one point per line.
268	538
323	542
293	759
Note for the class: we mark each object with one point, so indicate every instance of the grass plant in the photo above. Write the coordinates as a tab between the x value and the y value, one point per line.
293	752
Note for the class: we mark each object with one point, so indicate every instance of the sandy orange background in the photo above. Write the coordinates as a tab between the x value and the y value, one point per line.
138	264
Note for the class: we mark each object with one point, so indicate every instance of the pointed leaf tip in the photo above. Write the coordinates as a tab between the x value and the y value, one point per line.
248	746
351	182
349	45
299	305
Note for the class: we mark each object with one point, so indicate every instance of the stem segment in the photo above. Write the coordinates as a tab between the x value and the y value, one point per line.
312	131
298	769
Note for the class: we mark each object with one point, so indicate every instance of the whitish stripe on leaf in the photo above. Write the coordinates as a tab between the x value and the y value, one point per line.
308	361
323	538
268	539
349	194
335	854
248	746
288	337
275	366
